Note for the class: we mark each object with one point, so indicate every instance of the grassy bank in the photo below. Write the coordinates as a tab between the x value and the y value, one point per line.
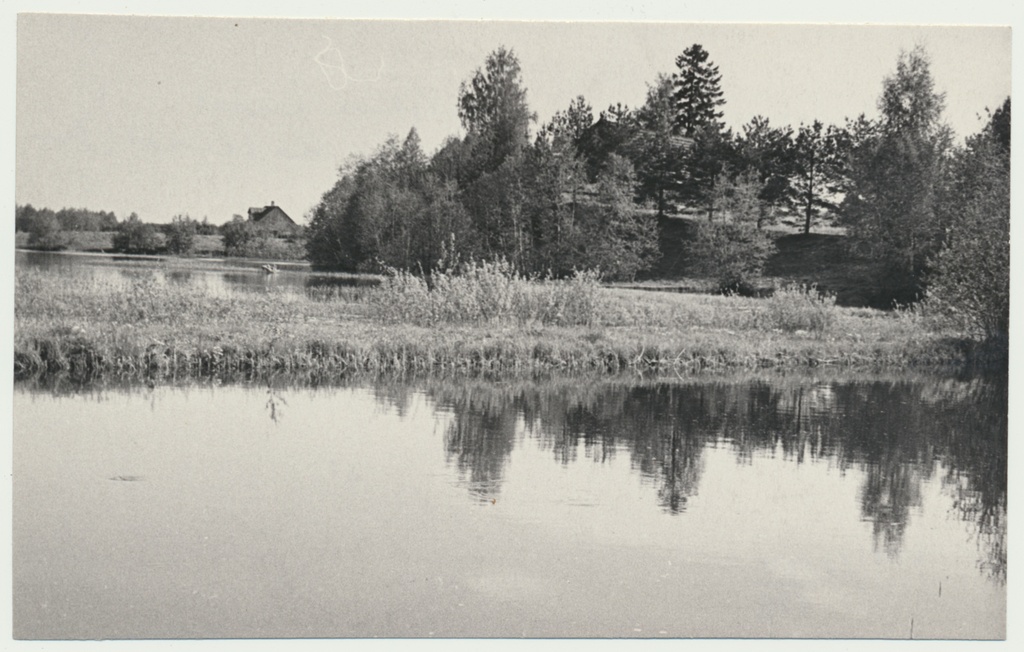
146	326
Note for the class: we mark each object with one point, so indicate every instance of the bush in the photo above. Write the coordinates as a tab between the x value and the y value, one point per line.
487	293
732	253
797	308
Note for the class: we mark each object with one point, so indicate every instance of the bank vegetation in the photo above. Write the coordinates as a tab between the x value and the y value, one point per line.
487	318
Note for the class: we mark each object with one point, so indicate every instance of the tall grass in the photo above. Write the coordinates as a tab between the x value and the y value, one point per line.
486	319
487	293
140	299
795	308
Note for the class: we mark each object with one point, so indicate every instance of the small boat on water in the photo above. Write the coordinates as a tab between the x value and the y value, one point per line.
269	269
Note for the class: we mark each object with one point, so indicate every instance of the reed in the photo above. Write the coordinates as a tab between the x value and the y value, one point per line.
508	325
487	293
794	308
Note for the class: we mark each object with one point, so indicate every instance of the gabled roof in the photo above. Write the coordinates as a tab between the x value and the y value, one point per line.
608	122
681	141
258	213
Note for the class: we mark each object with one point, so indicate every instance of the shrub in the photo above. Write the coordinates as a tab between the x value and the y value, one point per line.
797	308
732	253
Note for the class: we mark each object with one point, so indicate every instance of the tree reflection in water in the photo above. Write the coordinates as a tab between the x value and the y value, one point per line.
899	433
480	440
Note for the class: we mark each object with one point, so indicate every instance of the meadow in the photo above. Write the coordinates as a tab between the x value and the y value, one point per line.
488	319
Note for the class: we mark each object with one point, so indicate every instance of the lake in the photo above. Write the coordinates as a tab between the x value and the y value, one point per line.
214	274
774	506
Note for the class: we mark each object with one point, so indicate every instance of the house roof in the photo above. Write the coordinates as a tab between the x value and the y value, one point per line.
681	141
609	122
258	213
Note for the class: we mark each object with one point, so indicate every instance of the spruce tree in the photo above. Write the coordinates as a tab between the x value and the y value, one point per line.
698	91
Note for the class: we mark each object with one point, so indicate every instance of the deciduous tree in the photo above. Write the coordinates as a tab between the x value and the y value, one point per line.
329	242
136	237
971	273
241	238
896	176
181	235
494	111
45	231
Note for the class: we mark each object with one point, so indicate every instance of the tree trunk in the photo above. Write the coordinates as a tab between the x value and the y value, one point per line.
809	215
810	200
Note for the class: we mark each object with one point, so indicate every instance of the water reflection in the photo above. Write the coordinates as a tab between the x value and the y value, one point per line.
897	434
276	402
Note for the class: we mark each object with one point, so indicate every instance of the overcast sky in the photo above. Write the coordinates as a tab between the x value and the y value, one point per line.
208	116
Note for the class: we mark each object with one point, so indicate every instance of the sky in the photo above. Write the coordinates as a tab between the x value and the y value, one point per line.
208	116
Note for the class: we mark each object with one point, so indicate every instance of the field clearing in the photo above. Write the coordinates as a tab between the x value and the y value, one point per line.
142	326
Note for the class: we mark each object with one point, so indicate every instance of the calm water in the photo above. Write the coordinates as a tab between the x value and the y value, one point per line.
215	275
771	508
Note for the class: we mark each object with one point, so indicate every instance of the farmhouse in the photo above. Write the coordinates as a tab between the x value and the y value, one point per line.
271	219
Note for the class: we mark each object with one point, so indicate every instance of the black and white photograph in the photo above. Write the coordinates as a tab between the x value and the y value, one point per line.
353	327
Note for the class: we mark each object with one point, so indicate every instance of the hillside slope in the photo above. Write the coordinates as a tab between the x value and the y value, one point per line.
825	260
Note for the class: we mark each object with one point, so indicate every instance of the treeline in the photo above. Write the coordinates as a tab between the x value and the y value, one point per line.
53	231
542	205
586	192
239	237
45	221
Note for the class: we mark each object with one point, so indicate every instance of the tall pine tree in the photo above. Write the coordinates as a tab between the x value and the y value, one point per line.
816	170
698	92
